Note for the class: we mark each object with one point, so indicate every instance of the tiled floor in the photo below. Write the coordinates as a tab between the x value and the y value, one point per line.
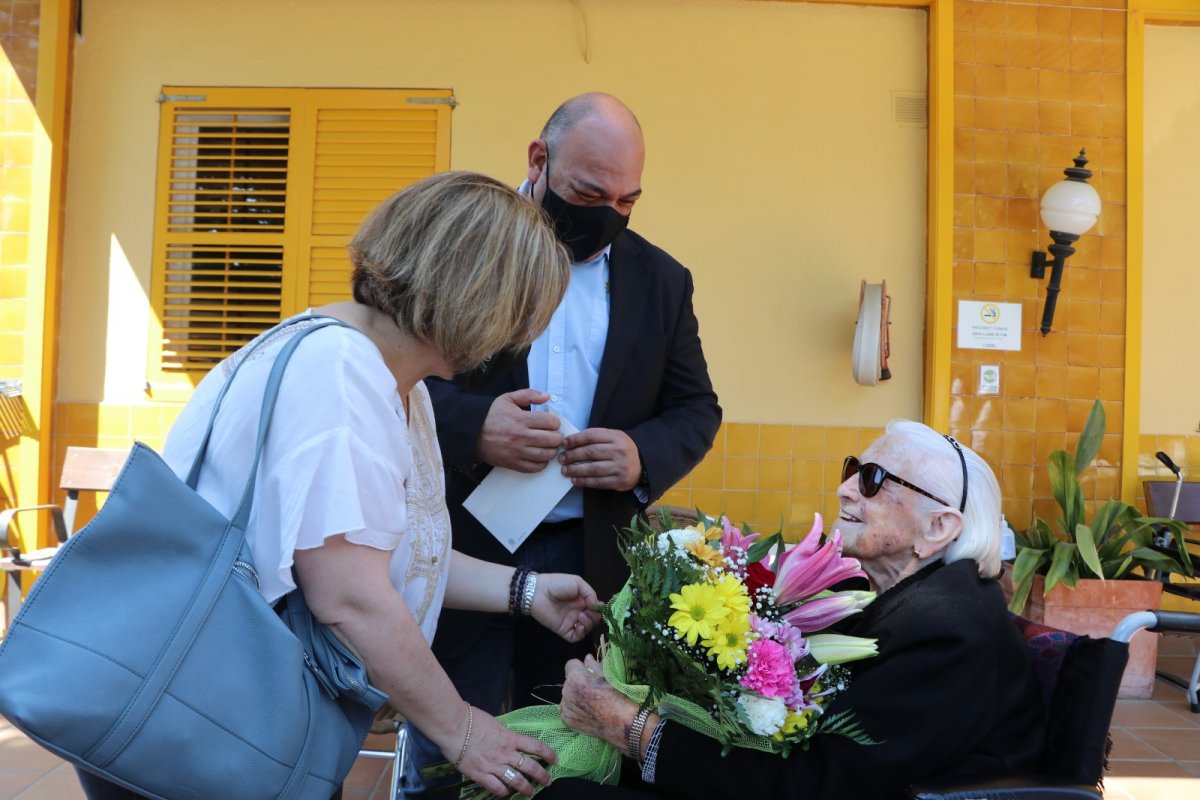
1156	750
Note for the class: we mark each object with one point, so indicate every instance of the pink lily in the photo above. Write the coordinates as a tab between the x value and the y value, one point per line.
812	567
824	611
733	537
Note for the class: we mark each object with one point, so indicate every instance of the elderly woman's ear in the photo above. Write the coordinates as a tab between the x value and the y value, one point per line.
939	531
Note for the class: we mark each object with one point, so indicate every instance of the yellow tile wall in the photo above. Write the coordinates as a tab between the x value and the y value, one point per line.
768	475
18	73
1035	82
1183	450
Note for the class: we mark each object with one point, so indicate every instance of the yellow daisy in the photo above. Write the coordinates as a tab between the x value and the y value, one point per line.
728	643
697	610
733	594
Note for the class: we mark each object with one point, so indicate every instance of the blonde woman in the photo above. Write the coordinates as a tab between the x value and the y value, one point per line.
349	494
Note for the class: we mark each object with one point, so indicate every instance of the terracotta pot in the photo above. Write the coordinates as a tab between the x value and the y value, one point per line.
1094	607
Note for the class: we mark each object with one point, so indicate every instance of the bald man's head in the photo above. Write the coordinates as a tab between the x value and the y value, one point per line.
585	106
590	155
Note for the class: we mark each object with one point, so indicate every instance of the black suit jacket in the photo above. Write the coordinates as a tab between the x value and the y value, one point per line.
653	384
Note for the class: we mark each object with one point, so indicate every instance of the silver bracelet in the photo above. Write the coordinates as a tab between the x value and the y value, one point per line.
633	744
527	597
467	739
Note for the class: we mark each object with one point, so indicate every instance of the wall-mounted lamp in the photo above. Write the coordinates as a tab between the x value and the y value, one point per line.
1069	209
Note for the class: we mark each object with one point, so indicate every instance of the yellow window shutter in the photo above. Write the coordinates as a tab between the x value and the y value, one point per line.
367	145
220	231
259	192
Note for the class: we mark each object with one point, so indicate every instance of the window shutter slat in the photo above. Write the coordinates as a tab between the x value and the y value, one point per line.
371	152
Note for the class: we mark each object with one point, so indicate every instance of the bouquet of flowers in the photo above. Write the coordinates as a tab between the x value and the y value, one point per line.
720	641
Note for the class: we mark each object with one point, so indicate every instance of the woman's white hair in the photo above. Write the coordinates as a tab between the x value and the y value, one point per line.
939	471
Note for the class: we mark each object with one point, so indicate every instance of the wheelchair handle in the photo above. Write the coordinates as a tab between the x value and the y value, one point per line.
1167	462
1156	622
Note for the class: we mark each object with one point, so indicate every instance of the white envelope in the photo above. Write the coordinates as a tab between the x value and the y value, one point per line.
511	504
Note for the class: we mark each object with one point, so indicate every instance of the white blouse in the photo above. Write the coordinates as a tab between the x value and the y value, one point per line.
341	458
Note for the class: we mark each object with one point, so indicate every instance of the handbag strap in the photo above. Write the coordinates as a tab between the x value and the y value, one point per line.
270	394
193	476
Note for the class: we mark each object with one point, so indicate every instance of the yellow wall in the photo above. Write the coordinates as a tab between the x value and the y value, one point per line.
771	155
18	122
1171	267
774	172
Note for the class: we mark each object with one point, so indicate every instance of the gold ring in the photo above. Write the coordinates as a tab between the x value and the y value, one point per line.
520	761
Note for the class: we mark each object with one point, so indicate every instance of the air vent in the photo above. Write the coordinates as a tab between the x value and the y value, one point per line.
910	109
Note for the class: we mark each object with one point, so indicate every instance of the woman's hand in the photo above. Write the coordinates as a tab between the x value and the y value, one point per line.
589	705
566	605
502	761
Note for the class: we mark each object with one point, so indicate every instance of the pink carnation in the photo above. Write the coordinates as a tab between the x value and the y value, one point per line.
770	671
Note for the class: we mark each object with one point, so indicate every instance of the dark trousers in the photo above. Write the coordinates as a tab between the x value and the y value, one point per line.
516	652
97	788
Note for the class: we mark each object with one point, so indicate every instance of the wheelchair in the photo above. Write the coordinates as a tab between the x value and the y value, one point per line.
1079	677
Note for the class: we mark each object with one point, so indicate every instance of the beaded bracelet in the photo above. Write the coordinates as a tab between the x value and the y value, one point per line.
516	588
529	590
467	739
633	744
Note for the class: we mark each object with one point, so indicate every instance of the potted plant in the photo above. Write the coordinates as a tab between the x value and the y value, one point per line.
1070	571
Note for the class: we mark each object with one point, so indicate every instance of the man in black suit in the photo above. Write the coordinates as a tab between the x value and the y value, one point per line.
621	360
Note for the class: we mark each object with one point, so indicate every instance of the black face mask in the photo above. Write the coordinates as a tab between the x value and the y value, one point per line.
585	230
490	370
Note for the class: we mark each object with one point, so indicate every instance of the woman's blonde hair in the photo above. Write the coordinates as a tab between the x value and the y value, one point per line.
463	262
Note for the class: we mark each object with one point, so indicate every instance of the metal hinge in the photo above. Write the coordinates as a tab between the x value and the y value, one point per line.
441	101
181	98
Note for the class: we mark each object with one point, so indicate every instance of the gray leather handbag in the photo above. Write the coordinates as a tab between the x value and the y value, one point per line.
146	655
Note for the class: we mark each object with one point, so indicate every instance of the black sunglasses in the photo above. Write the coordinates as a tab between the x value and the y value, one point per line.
871	477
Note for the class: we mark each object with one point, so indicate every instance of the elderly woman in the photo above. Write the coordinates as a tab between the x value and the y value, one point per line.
951	694
349	499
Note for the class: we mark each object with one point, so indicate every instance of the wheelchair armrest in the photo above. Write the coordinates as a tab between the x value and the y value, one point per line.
1005	789
56	516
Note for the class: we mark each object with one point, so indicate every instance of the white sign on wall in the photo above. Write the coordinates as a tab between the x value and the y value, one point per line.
989	326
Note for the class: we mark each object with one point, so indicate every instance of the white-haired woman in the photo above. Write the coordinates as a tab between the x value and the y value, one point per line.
952	692
349	499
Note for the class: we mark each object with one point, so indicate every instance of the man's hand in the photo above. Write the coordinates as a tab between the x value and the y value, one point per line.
601	458
520	440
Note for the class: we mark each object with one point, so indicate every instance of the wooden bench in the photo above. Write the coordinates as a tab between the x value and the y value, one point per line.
85	469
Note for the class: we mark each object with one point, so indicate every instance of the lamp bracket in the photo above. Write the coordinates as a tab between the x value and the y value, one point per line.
1037	269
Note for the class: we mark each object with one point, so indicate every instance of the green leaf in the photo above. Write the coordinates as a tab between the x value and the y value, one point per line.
1060	564
1104	519
1087	549
1152	558
1090	439
1026	564
759	549
1020	595
1063	484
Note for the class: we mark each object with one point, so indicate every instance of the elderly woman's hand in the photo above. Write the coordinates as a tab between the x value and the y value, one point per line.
502	761
566	605
590	705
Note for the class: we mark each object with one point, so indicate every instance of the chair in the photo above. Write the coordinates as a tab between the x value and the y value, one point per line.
85	469
1079	677
402	783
